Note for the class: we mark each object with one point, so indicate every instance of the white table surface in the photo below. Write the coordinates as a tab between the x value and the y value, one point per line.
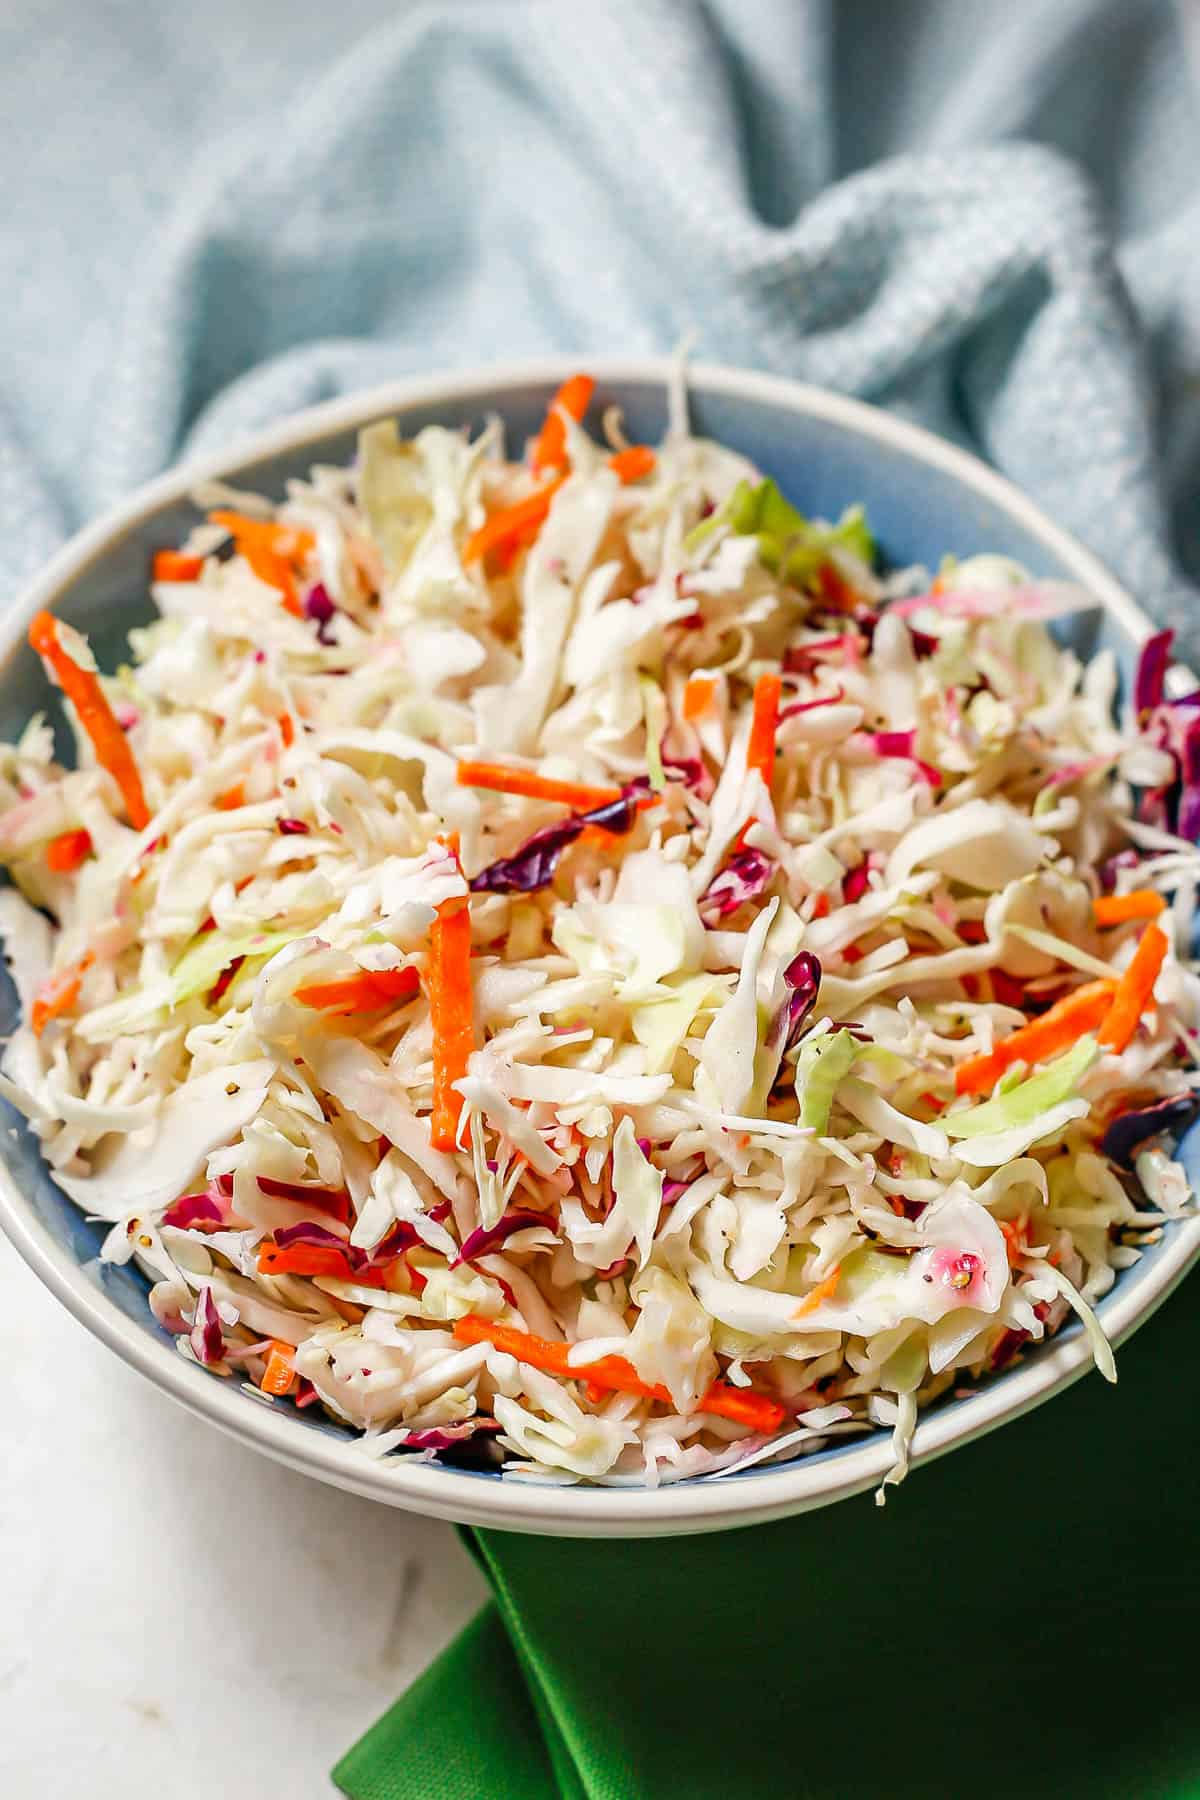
181	1619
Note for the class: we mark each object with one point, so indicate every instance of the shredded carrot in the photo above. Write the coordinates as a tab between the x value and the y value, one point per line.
504	530
698	696
450	1006
314	1259
232	798
65	852
58	994
1117	909
613	1372
1135	990
271	550
284	540
760	751
287	730
1042	1038
633	464
1016	1238
83	690
531	786
280	1371
824	1290
834	589
573	397
368	991
175	565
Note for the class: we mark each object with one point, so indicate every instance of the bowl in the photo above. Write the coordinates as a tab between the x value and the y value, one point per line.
923	498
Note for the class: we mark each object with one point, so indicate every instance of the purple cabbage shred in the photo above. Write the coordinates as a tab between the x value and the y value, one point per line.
803	979
534	864
1129	1131
1151	674
743	878
488	1237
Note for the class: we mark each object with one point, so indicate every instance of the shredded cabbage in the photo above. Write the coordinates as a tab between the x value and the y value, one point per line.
702	1151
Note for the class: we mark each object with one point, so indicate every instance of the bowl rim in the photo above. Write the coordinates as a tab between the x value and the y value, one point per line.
546	1507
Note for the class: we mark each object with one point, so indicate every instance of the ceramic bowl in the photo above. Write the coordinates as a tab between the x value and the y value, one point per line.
923	498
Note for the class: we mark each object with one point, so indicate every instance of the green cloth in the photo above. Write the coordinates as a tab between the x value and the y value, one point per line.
1020	1620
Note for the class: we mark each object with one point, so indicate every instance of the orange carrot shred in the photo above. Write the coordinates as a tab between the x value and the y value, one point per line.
58	994
633	464
287	730
574	397
760	751
824	1290
505	530
368	991
95	715
280	1371
743	1405
1055	1031
531	786
698	696
176	565
65	852
451	1011
270	549
1135	990
1116	909
232	798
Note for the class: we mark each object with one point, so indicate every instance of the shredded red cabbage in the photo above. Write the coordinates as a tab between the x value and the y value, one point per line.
805	706
803	979
444	1437
1129	1131
1151	674
856	881
903	744
319	606
488	1237
1187	818
335	1201
191	1210
743	878
205	1336
534	864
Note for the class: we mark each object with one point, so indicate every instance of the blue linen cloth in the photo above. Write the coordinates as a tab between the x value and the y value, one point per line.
983	216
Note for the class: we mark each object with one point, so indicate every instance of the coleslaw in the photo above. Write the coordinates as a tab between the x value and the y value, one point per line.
567	965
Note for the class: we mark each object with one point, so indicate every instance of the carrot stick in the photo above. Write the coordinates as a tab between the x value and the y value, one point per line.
368	991
633	464
614	1372
58	994
824	1290
65	852
232	798
760	751
1116	909
574	397
270	549
175	565
83	690
1135	990
1054	1032
450	1006
280	1371
532	786
314	1259
698	697
504	530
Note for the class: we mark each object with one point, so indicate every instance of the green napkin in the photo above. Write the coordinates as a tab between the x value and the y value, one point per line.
1020	1620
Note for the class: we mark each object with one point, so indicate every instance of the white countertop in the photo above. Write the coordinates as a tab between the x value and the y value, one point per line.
168	1593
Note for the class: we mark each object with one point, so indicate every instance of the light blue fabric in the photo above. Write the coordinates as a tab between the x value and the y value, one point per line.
983	215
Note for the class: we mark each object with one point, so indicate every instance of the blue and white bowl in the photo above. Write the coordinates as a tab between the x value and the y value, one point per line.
923	498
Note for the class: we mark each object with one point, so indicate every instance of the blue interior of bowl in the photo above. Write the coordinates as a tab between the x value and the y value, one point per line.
919	513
